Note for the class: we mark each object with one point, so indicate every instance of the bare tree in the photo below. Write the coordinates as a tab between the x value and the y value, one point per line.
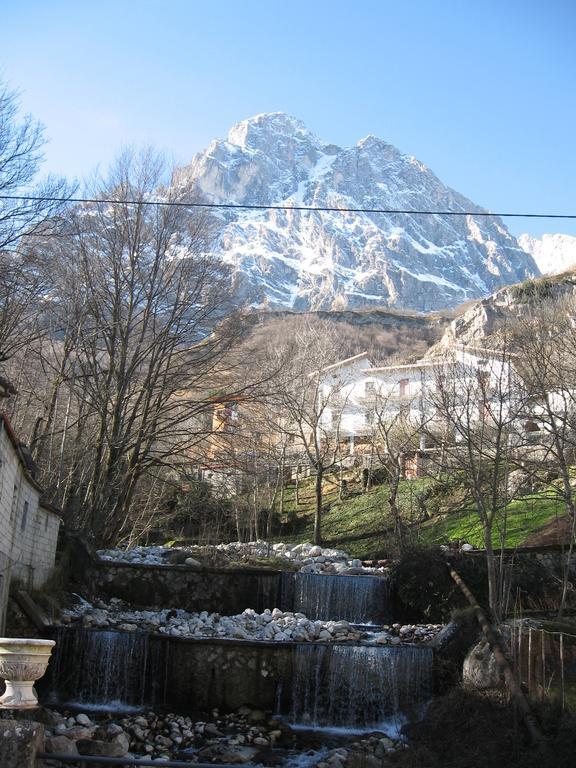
545	341
398	422
477	409
22	277
154	324
310	401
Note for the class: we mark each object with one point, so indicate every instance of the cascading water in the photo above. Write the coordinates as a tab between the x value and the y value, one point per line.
100	669
355	687
358	687
357	599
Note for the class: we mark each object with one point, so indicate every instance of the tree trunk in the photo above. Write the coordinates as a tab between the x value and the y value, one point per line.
318	510
298	484
492	575
395	510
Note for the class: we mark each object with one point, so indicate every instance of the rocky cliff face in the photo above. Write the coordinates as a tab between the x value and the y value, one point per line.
338	260
510	304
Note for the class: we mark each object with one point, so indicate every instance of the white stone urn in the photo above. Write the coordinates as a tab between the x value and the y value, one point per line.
22	662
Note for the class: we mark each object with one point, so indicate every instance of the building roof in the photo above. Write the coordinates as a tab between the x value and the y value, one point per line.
340	363
403	366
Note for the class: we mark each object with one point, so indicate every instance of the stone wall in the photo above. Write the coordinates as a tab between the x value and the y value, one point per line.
20	740
424	591
28	530
201	675
533	574
225	591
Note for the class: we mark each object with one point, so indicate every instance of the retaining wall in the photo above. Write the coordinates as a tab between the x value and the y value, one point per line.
119	669
224	591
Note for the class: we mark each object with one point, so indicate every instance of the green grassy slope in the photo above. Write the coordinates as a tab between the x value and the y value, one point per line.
359	523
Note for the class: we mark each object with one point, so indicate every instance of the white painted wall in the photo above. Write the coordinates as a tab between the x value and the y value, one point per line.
354	383
28	531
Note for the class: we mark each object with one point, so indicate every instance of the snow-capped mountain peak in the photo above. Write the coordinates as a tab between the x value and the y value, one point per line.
553	253
325	259
252	132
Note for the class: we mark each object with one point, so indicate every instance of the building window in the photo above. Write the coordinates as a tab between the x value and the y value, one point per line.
484	379
14	500
24	516
404	386
370	389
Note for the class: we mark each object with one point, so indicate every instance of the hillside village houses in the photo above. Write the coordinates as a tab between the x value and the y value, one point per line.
353	394
28	527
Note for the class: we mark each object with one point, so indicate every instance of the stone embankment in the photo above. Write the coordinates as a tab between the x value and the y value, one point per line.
245	736
306	558
270	625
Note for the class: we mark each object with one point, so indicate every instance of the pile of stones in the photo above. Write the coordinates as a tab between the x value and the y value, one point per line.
308	558
272	625
245	736
395	634
231	738
369	752
68	734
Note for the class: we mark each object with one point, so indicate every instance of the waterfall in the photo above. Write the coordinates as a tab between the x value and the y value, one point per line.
358	687
358	599
96	668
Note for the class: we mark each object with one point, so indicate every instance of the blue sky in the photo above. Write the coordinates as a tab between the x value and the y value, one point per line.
482	93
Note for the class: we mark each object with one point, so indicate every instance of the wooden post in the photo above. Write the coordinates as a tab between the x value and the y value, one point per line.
562	669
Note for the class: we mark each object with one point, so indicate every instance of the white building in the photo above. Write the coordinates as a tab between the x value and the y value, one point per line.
28	528
352	389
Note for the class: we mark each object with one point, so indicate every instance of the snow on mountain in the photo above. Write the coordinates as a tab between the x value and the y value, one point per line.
552	253
337	260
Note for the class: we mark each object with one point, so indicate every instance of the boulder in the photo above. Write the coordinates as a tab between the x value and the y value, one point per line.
480	670
61	745
83	719
97	748
78	732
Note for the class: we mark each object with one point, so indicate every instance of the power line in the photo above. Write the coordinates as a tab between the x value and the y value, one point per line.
253	207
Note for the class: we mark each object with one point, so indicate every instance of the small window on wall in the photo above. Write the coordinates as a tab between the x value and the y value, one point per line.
14	502
404	387
24	516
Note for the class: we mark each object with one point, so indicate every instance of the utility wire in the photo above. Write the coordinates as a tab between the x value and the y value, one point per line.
251	207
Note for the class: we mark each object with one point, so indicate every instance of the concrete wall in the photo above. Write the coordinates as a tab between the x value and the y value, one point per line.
28	530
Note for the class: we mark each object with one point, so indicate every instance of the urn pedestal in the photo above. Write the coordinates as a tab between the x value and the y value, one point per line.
22	662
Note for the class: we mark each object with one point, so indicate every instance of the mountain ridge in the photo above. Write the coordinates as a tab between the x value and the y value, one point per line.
306	260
